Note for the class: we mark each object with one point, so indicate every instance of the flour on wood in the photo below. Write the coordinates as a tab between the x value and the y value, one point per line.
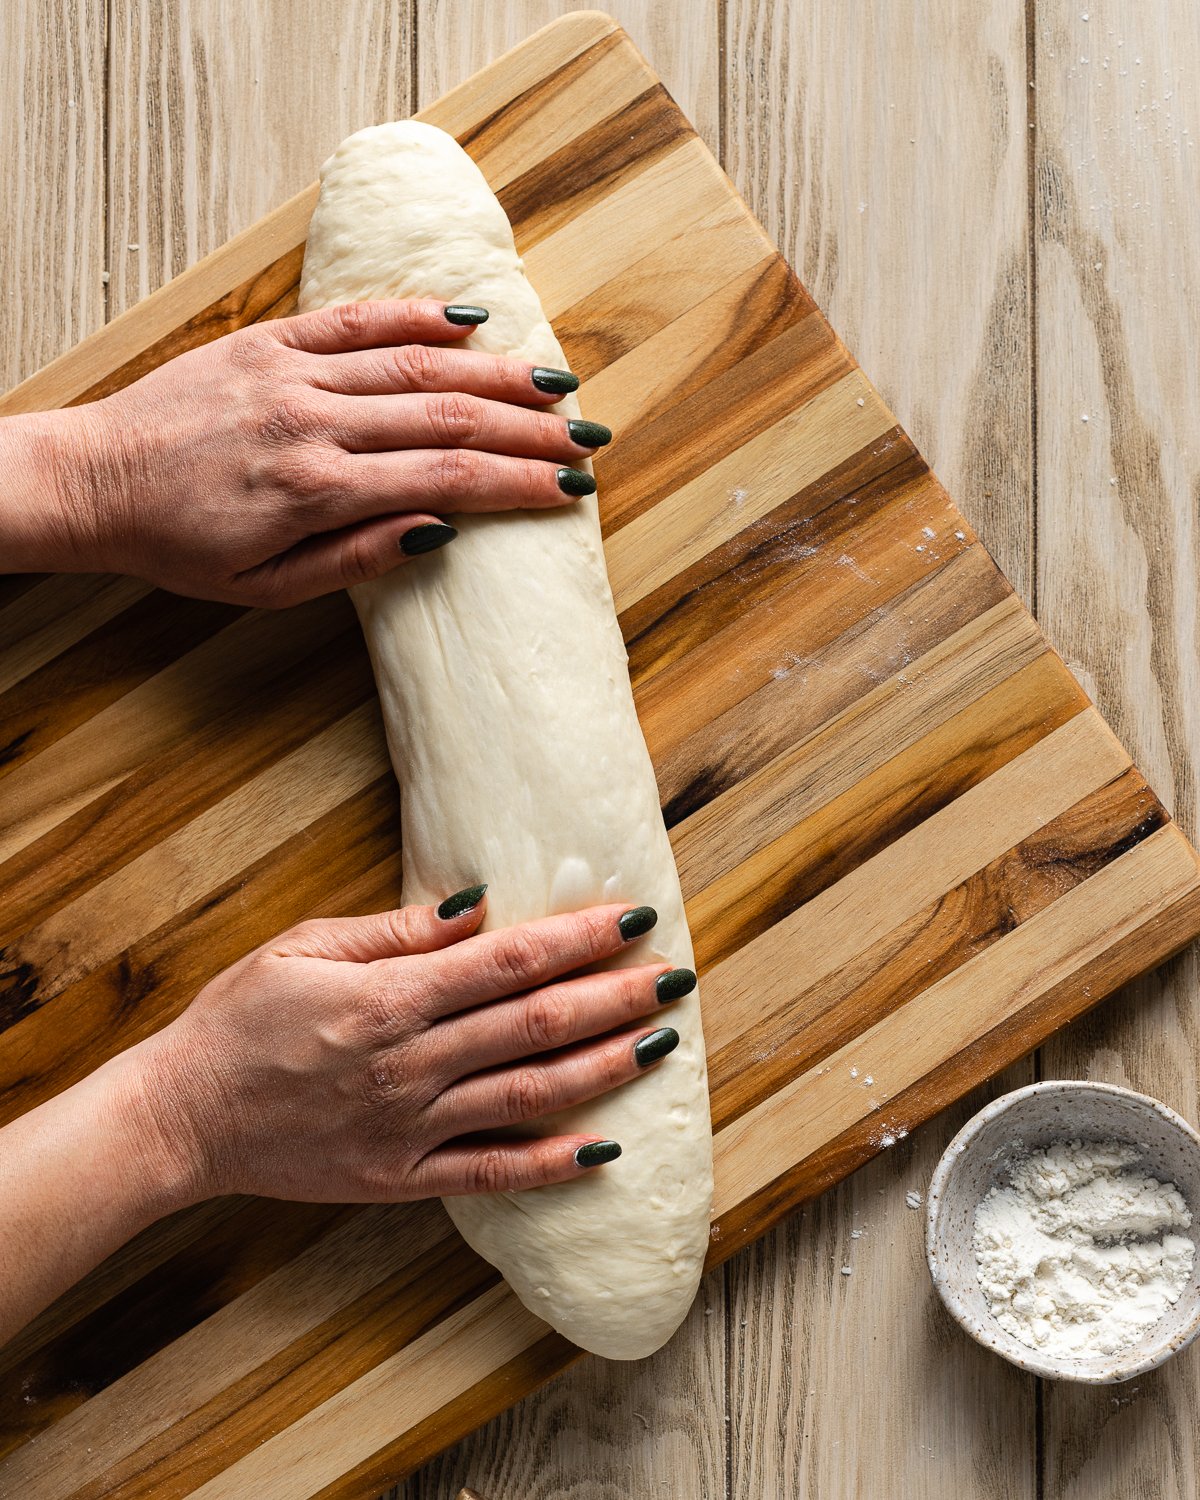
512	730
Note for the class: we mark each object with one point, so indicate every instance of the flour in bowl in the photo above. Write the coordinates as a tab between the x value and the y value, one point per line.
1081	1251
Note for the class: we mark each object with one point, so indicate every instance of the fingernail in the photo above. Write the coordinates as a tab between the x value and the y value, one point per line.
461	313
674	985
461	902
656	1045
555	382
636	923
426	538
596	1153
588	434
576	482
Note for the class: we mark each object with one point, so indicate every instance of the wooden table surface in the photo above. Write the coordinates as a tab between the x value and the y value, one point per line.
995	203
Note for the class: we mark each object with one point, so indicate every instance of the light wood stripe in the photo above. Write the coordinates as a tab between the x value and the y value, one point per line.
946	1018
700	516
396	1395
211	849
578	259
878	726
859	911
55	615
85	1445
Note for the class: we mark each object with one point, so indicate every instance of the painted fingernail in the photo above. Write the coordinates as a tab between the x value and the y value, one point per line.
576	482
596	1153
588	434
461	902
636	923
554	382
426	538
674	985
656	1045
461	313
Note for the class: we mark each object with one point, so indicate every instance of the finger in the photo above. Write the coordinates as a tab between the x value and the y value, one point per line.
372	325
509	1166
556	1016
514	959
373	424
413	368
387	934
339	559
509	1096
446	480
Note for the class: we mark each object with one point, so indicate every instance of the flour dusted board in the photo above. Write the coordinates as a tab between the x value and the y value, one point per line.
908	844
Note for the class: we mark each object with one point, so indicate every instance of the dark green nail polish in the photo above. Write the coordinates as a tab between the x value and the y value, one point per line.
427	538
461	902
596	1153
576	482
588	434
461	313
636	923
554	382
656	1045
674	985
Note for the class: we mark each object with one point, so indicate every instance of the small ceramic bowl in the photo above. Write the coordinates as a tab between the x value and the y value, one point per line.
978	1158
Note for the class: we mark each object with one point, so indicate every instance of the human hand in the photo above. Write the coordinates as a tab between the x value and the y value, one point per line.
356	1059
300	456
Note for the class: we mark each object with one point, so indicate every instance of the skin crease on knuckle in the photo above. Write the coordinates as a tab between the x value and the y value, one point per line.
520	961
418	367
545	1023
454	418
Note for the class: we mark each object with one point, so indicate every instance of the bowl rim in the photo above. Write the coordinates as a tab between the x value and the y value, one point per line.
1032	1360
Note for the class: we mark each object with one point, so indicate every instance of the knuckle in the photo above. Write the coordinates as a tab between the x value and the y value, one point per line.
352	320
527	1094
486	1172
546	1022
315	474
454	417
521	958
360	561
383	1006
286	420
418	366
452	472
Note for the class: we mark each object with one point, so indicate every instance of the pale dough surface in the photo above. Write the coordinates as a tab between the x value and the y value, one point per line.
513	734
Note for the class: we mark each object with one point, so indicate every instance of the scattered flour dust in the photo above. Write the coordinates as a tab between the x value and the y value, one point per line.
1082	1251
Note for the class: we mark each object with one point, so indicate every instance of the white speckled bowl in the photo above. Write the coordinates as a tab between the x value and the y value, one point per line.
1028	1120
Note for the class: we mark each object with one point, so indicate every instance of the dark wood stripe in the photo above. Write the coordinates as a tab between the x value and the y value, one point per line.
330	868
1013	1038
848	830
398	1310
256	298
549	93
13	585
933	942
585	170
532	1368
259	1238
662	455
256	708
102	667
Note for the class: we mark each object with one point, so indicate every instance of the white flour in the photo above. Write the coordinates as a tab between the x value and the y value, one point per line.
1081	1252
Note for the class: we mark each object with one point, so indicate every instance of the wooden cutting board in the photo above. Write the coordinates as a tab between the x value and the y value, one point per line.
909	845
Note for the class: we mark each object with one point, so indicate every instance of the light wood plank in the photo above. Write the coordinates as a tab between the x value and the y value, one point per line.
883	147
658	1427
219	111
52	261
1118	257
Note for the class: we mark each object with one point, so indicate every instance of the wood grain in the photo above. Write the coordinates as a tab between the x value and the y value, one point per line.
1118	246
917	1410
883	148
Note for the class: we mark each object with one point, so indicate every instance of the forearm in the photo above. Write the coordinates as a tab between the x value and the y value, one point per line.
79	1176
47	464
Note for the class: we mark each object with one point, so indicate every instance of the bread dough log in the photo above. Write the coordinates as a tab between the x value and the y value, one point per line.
513	734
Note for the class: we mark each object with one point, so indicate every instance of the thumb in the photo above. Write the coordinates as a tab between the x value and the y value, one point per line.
334	560
387	934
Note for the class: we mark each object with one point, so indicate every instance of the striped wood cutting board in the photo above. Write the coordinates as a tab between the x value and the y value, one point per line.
908	843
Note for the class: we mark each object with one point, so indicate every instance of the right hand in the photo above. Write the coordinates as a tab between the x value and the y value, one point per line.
358	1059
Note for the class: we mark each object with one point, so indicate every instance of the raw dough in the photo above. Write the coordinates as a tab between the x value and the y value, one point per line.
513	734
